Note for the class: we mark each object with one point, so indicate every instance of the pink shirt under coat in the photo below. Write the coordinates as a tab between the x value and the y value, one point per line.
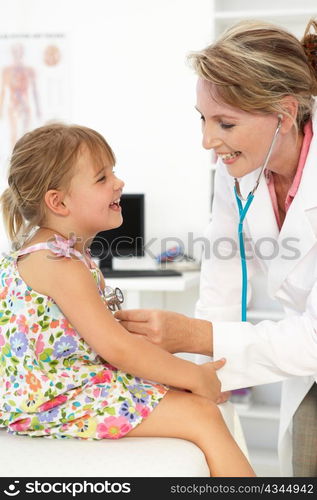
308	135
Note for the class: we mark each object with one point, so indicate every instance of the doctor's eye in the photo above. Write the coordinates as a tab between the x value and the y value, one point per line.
202	118
226	125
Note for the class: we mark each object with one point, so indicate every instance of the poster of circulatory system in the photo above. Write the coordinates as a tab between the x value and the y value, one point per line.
34	86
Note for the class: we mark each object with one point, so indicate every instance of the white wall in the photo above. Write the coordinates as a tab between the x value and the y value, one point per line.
130	81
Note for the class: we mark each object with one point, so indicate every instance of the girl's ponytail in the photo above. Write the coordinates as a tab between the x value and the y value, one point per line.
13	219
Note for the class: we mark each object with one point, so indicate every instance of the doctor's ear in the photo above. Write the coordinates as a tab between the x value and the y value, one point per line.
54	201
288	117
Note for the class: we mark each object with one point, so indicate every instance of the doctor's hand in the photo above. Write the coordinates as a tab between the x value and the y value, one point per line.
168	330
224	396
171	331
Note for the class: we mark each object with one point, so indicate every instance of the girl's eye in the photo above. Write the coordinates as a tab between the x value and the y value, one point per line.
226	125
104	177
202	118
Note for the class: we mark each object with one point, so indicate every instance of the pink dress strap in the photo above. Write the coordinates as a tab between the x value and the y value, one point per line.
60	247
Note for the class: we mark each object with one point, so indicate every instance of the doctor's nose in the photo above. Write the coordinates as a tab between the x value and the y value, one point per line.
210	141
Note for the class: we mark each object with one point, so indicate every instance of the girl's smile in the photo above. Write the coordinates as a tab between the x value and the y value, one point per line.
115	205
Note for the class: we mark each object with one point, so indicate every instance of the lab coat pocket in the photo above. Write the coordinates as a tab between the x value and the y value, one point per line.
304	274
293	296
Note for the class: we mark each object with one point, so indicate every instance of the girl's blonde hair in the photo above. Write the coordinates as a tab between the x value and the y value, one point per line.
41	160
254	65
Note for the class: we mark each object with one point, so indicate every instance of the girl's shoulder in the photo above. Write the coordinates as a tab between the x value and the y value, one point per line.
42	265
39	262
23	274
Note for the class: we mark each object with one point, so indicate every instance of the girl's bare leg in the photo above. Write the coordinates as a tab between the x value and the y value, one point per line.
194	418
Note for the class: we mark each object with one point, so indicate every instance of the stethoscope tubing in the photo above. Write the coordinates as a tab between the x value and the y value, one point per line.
242	214
244	269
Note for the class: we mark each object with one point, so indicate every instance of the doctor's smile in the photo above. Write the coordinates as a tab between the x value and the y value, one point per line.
228	158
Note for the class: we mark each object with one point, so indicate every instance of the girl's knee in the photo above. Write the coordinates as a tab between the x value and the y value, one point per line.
209	407
203	407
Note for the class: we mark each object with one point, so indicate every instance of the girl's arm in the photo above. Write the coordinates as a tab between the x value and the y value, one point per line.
73	288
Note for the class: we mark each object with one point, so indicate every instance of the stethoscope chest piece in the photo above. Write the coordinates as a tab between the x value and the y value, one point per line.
114	298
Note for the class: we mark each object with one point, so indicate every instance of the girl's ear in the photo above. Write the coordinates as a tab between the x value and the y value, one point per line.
54	202
290	106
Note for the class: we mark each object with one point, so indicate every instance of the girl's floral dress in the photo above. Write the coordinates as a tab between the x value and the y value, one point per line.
52	383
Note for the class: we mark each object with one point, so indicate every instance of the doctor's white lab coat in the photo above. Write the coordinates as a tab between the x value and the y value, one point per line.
270	351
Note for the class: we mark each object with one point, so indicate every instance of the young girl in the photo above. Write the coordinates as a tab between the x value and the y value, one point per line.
68	369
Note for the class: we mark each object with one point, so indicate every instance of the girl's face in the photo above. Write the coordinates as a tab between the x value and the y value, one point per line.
94	195
239	138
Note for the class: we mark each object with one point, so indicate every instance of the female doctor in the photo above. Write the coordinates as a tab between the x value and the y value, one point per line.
255	96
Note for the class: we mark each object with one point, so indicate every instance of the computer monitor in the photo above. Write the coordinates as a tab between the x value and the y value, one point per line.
126	240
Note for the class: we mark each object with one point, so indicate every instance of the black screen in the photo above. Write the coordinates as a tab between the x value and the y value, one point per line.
126	240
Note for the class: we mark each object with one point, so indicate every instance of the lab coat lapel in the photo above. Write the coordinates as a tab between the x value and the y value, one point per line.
300	222
297	233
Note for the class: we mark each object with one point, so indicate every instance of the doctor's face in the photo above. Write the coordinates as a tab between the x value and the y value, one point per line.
239	138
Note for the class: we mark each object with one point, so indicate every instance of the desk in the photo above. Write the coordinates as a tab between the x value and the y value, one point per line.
134	287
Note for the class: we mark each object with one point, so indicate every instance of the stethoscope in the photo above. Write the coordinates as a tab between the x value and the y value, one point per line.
114	298
242	213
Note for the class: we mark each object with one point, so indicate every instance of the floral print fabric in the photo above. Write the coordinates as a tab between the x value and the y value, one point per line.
52	383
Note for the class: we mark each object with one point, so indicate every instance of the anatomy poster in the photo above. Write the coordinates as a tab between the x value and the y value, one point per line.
34	86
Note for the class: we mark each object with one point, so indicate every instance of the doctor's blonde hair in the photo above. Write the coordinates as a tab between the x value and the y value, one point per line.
255	64
45	159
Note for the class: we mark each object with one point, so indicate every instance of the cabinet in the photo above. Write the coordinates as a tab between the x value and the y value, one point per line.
260	420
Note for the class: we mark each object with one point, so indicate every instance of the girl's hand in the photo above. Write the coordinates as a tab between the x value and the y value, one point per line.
208	384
